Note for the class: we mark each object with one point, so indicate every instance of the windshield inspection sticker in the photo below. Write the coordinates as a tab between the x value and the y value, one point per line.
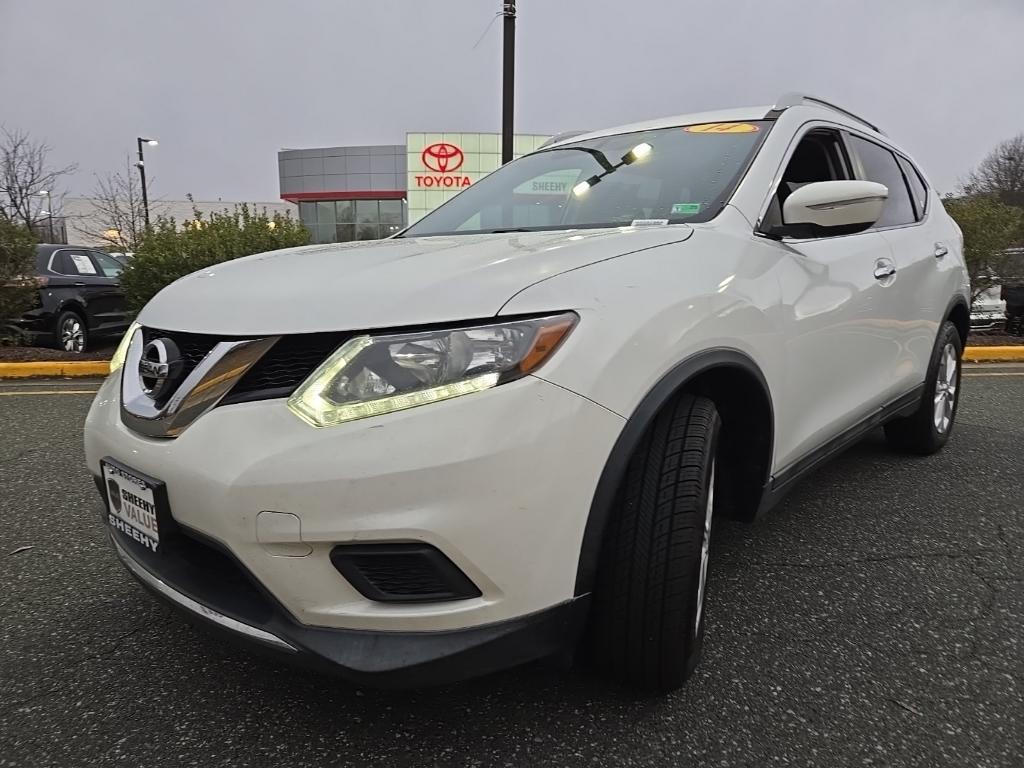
721	128
685	209
648	222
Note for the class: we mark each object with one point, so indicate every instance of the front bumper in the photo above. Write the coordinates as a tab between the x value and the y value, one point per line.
380	659
37	323
986	321
499	481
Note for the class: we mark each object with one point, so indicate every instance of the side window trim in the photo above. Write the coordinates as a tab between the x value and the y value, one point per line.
51	267
905	163
918	215
862	175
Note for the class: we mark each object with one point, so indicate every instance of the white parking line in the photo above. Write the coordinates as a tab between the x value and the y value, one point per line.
76	382
30	393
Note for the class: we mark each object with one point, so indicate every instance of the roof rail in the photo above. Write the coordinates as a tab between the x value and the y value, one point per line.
563	136
787	100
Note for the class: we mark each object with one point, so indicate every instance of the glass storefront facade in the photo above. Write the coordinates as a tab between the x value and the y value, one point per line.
372	191
339	221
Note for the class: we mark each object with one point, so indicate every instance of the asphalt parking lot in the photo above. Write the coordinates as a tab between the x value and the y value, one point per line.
876	619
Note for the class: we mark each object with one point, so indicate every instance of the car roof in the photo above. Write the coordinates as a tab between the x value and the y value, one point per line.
736	114
51	247
810	109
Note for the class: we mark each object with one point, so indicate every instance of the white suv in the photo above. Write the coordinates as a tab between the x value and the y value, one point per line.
504	433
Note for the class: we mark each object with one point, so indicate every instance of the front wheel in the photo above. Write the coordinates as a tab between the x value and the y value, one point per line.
927	429
647	625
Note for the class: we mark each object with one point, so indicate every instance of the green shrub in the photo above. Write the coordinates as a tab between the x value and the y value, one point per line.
167	253
18	289
989	228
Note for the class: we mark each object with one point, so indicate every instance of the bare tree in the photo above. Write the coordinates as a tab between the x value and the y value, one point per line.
28	183
1001	173
117	218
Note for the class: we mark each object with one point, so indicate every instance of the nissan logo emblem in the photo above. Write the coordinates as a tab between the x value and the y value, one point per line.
159	367
442	157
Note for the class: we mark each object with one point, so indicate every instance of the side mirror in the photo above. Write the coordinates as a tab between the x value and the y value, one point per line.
824	208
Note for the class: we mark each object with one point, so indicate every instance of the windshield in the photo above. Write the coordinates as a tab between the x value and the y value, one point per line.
664	176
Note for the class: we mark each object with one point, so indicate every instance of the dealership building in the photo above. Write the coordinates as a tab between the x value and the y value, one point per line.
369	192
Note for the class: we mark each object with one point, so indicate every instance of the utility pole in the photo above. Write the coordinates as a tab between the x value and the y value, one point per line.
141	165
508	80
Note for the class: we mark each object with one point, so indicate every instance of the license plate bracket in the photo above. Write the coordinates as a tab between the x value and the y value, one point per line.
138	511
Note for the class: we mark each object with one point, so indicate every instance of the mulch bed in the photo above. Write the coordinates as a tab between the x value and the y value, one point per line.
35	354
994	339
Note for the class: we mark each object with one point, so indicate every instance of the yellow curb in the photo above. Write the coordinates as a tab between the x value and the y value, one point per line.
994	354
54	368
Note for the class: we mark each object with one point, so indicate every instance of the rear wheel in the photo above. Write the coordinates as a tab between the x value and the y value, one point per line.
927	429
72	335
647	624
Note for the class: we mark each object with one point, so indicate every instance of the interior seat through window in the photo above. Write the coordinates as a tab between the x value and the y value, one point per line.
818	157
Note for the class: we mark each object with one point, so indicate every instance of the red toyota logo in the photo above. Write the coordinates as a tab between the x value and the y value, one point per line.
442	157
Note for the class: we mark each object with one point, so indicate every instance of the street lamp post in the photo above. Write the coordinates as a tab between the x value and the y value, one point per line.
141	165
508	79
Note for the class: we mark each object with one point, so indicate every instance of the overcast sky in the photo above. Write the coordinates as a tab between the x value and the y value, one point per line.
224	84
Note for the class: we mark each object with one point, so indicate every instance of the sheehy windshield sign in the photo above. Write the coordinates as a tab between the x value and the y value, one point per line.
442	162
552	183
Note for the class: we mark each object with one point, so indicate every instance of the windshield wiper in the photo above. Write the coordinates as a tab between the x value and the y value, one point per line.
510	229
597	154
638	152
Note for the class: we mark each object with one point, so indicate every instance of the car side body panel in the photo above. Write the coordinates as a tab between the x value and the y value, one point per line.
647	312
832	343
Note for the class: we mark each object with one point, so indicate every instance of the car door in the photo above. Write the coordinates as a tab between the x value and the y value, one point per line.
110	306
838	348
918	245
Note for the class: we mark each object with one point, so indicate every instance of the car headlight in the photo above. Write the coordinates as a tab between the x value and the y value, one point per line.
122	349
371	375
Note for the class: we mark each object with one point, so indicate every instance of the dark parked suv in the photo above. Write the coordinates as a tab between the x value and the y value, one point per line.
80	298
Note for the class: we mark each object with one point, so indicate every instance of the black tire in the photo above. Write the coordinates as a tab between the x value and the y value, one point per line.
647	621
65	320
921	432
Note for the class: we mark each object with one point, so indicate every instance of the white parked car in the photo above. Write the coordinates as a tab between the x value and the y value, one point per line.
988	310
505	433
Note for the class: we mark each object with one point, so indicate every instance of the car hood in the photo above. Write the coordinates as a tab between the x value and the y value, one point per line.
384	283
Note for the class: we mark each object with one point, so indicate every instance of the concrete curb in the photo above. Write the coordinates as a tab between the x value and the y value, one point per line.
1013	354
54	369
65	368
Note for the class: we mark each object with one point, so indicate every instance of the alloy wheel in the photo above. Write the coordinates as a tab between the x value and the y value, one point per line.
72	335
705	547
945	389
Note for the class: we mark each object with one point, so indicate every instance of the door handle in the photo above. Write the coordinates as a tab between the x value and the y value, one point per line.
940	250
80	285
884	269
